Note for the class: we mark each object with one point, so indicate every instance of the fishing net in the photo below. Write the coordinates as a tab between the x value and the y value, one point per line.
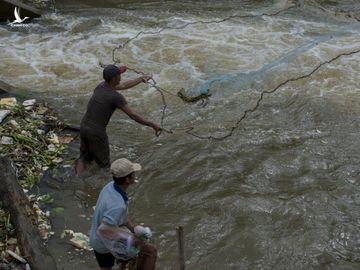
205	91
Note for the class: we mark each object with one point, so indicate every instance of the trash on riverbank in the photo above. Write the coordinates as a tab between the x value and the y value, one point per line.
3	114
31	143
78	239
8	102
29	137
9	251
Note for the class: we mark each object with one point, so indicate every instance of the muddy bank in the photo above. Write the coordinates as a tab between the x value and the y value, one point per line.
26	222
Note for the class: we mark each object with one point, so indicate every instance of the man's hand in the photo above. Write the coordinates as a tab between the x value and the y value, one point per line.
157	129
146	77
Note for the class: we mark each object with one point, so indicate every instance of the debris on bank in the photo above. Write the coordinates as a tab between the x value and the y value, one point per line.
29	136
78	239
10	253
29	139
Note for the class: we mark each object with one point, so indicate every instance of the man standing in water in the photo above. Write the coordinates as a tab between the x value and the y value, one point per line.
94	143
112	233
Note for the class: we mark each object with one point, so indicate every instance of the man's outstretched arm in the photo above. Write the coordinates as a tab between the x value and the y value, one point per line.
134	116
132	83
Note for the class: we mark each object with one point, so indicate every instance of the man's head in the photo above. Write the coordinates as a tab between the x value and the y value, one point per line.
123	171
112	73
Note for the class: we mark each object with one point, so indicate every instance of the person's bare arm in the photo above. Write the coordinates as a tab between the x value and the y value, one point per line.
132	83
136	117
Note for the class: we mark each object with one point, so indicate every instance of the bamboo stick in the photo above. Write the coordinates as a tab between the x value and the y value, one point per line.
180	236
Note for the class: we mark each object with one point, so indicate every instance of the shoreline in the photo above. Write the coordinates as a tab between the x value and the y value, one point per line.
30	138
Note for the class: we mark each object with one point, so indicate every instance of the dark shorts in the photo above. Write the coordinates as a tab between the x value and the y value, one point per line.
105	260
94	145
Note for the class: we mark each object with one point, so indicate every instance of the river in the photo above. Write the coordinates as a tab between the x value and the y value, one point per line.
280	192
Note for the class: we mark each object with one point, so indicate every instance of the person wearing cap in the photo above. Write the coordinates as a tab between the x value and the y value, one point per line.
111	227
105	100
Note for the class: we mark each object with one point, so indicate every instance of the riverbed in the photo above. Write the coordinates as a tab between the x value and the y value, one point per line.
281	192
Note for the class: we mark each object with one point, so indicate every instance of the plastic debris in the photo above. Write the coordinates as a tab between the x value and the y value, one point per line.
29	102
65	139
3	114
8	102
51	148
53	138
14	123
40	131
12	241
78	239
41	109
144	233
6	140
16	256
57	160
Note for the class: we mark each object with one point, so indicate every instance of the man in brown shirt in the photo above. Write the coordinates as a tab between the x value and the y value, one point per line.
105	100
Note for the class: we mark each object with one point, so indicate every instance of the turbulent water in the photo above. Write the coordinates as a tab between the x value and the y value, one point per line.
281	193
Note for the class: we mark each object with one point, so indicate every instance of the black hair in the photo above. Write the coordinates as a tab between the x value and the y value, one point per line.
121	180
107	78
110	72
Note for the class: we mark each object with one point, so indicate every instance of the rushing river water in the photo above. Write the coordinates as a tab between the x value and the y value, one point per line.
282	192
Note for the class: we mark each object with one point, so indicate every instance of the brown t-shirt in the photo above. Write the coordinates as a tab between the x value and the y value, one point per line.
102	105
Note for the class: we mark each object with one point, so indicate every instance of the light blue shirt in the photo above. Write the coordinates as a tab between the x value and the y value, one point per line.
111	209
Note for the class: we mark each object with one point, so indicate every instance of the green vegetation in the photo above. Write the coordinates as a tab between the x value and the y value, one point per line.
34	148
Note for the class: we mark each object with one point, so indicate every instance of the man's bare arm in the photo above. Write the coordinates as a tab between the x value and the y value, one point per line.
132	83
134	116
